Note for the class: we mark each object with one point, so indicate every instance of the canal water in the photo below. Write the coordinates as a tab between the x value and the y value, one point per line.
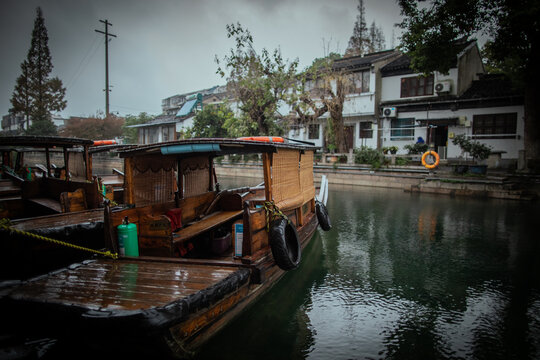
403	276
400	276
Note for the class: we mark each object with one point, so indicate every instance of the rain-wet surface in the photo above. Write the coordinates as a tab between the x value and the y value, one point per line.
401	276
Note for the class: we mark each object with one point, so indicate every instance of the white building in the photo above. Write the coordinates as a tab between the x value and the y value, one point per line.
361	106
439	107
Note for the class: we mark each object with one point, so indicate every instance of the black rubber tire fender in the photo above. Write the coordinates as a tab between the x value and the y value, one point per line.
285	244
322	216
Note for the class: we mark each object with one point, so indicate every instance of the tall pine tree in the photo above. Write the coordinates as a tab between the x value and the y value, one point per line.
36	94
359	42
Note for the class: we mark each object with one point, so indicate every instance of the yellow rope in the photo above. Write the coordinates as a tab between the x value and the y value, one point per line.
272	213
6	225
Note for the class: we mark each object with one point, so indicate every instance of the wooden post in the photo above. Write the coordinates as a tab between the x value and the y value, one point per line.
128	181
88	163
267	169
47	155
66	163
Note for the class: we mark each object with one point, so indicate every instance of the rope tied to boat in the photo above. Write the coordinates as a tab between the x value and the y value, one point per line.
272	213
5	224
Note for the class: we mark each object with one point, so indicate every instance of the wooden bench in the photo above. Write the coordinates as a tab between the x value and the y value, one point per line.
50	204
207	223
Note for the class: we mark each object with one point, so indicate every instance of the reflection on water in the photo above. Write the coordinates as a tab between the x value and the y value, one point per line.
403	276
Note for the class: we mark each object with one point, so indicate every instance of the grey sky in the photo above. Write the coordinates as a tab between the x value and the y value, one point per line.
167	47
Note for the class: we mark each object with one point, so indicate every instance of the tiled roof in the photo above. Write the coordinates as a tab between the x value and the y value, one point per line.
490	86
356	62
399	66
402	64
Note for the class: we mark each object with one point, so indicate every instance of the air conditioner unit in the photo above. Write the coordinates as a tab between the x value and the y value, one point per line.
442	87
389	112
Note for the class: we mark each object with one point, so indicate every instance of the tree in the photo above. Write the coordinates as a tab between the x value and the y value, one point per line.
322	89
376	38
20	99
94	128
258	81
434	35
210	122
130	134
359	41
36	94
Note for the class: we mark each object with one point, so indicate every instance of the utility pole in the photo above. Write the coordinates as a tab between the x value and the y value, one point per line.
107	34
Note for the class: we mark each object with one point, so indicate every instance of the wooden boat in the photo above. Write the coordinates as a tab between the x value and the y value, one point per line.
63	203
204	254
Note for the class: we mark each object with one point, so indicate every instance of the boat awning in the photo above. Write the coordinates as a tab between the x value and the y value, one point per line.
186	108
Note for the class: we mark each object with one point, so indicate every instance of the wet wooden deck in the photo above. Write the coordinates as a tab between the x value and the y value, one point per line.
58	220
122	285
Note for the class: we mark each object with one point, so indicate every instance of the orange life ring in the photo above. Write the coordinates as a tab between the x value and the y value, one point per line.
437	159
275	139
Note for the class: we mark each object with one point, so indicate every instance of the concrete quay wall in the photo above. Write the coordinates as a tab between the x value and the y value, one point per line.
408	179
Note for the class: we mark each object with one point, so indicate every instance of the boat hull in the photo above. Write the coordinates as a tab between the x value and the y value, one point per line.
169	306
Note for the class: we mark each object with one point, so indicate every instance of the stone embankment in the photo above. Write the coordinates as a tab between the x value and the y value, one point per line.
443	181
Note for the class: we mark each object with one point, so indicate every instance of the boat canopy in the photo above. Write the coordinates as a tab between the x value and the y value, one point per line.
216	147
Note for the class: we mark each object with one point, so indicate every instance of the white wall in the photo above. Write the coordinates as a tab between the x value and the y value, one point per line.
511	146
391	86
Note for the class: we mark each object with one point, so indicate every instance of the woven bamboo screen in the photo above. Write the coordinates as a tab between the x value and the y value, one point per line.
153	179
196	175
77	165
306	176
286	189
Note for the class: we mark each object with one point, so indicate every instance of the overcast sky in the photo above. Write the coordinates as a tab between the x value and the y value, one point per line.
167	47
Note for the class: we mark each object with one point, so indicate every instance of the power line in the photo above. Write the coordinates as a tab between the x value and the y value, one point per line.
84	62
107	34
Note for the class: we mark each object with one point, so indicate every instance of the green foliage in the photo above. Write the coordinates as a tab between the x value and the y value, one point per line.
435	34
390	149
416	148
258	81
367	155
130	134
401	161
43	127
476	149
36	95
210	122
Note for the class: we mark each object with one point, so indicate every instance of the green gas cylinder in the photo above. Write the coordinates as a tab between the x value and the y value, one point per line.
127	238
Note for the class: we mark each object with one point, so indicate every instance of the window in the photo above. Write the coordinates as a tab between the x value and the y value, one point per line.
313	131
416	86
366	131
359	82
501	126
402	129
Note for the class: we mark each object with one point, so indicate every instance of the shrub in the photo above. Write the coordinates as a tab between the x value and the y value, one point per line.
417	148
476	149
367	155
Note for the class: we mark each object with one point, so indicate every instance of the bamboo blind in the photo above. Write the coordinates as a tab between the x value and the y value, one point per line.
306	176
153	179
77	165
196	175
286	189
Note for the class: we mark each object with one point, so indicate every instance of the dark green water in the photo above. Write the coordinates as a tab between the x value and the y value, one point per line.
403	276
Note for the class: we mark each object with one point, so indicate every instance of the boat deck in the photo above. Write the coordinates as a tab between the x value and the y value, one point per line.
122	285
59	220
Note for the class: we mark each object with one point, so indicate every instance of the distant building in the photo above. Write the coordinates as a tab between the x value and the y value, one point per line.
178	113
17	122
12	122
